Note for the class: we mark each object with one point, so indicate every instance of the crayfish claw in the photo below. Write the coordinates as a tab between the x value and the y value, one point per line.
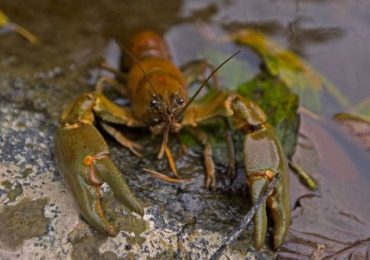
263	159
89	203
84	161
257	188
278	203
108	172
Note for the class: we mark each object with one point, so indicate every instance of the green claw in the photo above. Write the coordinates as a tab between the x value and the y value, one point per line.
108	172
258	186
263	159
83	160
279	203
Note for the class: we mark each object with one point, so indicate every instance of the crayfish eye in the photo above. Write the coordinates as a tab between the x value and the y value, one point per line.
179	101
153	103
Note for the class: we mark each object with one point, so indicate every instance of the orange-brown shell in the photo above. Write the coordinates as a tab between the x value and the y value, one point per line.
148	44
150	52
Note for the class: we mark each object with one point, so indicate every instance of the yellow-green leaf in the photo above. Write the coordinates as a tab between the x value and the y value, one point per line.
362	110
5	22
291	69
3	19
357	125
359	112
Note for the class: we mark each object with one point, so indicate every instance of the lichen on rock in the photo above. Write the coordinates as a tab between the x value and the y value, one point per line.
23	221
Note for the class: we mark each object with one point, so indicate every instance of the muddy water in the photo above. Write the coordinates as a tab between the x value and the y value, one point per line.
332	35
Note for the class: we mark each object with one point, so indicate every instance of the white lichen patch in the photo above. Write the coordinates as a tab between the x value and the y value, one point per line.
156	241
25	164
60	210
197	244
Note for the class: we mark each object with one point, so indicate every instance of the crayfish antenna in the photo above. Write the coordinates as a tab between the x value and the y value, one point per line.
140	67
205	83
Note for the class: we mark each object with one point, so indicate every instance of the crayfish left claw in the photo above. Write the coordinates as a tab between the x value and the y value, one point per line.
278	203
257	188
263	160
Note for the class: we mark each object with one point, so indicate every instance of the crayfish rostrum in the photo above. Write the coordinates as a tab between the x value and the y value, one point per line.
157	90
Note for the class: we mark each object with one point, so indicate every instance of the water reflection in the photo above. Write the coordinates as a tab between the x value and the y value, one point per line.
297	34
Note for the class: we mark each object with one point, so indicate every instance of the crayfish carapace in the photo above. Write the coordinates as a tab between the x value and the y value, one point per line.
157	90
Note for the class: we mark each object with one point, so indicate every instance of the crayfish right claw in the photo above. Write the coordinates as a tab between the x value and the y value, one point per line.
84	162
108	172
91	210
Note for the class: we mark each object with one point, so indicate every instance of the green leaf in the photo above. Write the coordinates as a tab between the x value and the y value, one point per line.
291	69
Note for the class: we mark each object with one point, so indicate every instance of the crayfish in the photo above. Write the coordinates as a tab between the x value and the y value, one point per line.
157	90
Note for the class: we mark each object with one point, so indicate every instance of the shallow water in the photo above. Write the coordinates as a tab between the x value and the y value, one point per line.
332	35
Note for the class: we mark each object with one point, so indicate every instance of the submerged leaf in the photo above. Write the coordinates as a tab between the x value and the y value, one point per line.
362	110
357	126
292	70
357	120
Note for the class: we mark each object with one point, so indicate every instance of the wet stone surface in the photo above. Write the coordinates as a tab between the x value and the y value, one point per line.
180	220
